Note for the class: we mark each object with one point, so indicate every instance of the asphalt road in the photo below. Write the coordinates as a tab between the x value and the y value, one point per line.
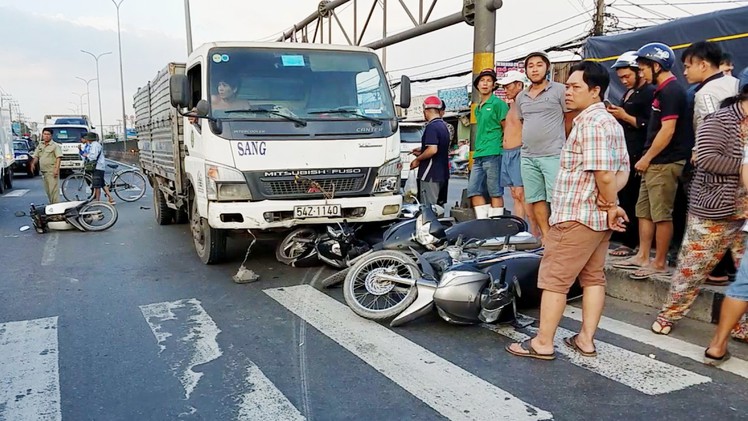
127	324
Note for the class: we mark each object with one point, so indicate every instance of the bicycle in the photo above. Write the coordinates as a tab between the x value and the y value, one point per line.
129	185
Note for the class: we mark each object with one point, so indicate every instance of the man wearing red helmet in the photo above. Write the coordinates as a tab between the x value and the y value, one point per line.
490	115
432	158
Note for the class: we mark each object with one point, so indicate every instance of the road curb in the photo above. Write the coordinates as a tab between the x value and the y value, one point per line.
654	291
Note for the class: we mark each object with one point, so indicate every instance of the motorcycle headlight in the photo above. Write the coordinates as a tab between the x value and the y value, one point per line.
388	177
225	184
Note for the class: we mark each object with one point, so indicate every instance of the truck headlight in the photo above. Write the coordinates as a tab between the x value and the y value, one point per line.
224	183
388	177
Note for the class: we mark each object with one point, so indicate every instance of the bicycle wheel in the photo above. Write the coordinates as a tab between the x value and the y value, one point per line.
129	185
97	216
77	187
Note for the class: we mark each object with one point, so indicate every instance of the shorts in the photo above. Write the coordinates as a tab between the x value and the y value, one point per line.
657	191
539	177
739	288
97	180
428	191
573	250
486	170
511	168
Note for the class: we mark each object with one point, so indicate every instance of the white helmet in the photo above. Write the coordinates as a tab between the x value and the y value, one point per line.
627	59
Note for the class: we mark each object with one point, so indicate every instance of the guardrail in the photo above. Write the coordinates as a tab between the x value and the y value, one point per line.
127	153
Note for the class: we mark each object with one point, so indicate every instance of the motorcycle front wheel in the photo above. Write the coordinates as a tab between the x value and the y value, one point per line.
298	244
374	298
97	216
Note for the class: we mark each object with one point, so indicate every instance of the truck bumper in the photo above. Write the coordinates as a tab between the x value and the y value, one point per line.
269	214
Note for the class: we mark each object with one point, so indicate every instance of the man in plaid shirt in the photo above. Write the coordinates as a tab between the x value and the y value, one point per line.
594	167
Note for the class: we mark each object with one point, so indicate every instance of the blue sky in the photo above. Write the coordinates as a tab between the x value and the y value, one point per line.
41	40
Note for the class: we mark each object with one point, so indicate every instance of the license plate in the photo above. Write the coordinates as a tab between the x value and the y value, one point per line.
317	211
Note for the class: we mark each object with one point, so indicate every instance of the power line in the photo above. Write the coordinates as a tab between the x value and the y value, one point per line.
496	45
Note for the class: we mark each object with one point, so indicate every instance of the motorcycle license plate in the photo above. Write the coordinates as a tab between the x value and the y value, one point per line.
317	211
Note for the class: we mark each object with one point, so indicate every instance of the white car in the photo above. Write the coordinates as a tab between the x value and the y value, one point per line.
410	138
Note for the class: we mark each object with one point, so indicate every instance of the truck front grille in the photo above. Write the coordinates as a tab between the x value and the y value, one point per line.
313	187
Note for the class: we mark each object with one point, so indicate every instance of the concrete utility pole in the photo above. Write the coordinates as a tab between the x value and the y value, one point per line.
484	40
599	18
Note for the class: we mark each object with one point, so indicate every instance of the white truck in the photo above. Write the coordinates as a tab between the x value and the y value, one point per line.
67	130
281	135
7	157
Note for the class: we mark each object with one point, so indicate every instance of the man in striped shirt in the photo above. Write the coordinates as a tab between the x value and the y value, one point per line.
594	166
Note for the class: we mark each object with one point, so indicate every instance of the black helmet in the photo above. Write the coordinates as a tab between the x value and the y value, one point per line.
658	53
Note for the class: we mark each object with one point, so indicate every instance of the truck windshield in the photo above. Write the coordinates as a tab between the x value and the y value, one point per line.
67	134
304	84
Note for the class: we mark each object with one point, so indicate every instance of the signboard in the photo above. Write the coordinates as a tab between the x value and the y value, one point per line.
502	67
456	99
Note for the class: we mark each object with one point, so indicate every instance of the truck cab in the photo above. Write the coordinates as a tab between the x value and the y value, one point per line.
283	135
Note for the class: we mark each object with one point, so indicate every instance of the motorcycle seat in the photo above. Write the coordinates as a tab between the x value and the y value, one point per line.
487	228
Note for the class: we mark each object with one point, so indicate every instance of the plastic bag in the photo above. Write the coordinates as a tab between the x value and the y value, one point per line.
411	185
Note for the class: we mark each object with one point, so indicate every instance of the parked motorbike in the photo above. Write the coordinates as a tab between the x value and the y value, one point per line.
458	168
82	215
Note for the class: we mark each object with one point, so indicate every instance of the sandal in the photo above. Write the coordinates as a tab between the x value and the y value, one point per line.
647	272
531	353
622	251
662	326
715	361
628	264
718	281
571	342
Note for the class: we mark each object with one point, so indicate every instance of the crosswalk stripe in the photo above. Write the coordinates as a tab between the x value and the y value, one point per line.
666	343
639	372
29	376
264	401
198	346
424	374
16	193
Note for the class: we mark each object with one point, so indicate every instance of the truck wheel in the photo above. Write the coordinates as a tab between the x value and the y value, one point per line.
8	180
210	243
181	216
164	214
2	181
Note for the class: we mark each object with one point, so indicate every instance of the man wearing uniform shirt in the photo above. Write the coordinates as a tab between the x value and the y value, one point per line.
669	142
48	154
633	114
701	63
432	158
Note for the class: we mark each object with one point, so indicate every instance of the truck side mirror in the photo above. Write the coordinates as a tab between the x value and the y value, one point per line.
404	92
179	91
202	108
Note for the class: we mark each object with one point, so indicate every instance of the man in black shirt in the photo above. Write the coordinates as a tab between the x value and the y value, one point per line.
667	147
633	114
432	158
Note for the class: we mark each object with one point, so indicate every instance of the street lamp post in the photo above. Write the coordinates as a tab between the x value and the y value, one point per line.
81	99
88	92
98	83
121	78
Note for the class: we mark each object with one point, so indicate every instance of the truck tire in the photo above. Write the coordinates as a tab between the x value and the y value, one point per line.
210	243
2	180
8	179
181	216
164	214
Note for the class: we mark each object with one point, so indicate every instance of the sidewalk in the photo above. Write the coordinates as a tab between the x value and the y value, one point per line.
652	292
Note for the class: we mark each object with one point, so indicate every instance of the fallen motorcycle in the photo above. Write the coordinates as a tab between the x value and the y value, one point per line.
465	286
82	215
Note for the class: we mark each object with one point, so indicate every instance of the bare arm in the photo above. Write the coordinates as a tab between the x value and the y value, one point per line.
428	153
607	185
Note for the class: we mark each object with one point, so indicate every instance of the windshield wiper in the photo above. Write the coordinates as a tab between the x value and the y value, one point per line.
376	121
296	120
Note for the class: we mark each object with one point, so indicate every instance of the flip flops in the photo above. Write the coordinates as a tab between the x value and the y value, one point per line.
531	353
648	272
628	264
714	361
622	251
571	342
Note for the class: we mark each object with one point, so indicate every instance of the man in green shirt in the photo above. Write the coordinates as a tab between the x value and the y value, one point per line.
490	114
48	154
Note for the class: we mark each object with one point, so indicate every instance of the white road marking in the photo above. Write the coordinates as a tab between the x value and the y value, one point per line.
637	371
16	193
264	401
29	371
50	249
199	344
673	345
450	390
